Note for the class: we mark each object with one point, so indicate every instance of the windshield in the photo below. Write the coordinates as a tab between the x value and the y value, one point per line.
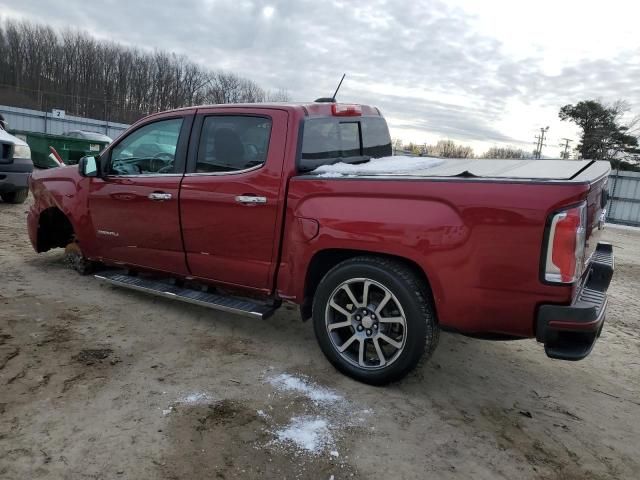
356	139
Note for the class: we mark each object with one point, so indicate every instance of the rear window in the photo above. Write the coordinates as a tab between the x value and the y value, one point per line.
329	140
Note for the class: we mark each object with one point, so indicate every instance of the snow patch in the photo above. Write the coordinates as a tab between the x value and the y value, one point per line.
316	393
310	434
315	426
195	398
189	399
379	166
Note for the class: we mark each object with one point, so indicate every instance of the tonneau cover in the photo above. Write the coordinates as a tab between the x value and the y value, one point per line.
522	169
403	166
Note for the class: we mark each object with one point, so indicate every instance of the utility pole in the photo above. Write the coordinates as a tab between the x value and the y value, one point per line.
540	142
565	154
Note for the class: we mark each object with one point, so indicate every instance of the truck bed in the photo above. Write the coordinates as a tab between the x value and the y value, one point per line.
478	237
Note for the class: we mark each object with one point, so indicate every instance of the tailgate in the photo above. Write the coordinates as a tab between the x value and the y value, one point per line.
596	210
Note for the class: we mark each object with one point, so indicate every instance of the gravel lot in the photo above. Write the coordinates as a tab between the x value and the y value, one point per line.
103	383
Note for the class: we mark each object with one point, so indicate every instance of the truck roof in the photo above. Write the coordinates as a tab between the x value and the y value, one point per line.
310	109
303	109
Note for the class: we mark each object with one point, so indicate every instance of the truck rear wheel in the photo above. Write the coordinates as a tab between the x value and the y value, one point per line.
19	196
373	319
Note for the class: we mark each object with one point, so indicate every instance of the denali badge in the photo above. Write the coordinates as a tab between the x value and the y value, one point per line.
107	233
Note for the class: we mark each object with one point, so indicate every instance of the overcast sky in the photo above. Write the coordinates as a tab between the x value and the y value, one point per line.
480	72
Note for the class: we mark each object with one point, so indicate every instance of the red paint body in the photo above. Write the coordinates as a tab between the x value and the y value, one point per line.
479	242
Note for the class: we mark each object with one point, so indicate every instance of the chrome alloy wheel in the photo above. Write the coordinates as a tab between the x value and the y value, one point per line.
365	323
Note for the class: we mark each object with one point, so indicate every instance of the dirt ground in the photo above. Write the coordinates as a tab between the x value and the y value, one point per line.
104	383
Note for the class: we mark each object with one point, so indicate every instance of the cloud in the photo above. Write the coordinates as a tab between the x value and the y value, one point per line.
422	62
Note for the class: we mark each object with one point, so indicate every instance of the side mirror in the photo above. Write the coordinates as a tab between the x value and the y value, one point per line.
88	167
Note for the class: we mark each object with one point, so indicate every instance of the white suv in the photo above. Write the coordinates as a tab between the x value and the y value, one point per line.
15	167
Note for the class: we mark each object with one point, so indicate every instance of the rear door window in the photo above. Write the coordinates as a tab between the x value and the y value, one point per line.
231	143
330	140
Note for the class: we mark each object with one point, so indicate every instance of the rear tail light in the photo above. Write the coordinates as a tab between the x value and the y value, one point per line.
342	110
566	245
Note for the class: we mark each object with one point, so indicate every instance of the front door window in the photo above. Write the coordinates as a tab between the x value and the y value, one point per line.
150	150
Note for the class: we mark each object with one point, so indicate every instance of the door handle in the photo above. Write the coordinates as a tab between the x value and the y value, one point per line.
251	199
159	196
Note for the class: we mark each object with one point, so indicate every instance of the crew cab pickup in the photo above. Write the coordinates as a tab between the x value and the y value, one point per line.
242	207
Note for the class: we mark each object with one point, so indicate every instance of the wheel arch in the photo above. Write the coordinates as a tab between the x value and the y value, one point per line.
55	229
324	260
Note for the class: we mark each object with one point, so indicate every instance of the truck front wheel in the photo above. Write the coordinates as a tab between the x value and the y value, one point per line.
76	259
373	319
19	196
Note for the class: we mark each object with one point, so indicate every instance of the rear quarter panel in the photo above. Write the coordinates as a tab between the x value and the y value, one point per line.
478	242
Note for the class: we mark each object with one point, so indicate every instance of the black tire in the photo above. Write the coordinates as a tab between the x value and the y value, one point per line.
19	196
77	261
421	332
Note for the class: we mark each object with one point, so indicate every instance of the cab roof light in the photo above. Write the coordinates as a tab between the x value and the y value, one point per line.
345	110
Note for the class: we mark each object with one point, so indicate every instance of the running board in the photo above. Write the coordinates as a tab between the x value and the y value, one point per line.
241	306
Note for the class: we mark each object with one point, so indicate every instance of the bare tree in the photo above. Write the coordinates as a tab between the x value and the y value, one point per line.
280	95
449	149
42	68
507	152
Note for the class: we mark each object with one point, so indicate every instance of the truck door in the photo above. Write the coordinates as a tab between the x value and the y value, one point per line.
134	205
231	202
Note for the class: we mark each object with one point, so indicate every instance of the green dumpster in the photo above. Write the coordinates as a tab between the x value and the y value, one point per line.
70	150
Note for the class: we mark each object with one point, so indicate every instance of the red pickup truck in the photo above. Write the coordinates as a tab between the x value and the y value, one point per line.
241	207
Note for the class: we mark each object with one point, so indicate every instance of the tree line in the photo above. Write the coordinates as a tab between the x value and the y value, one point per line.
450	149
43	69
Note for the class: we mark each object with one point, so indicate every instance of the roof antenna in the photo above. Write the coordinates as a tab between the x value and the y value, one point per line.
332	99
339	85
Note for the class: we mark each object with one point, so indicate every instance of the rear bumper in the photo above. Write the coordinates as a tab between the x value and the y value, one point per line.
569	332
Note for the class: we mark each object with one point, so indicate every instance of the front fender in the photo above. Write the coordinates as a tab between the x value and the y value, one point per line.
63	189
